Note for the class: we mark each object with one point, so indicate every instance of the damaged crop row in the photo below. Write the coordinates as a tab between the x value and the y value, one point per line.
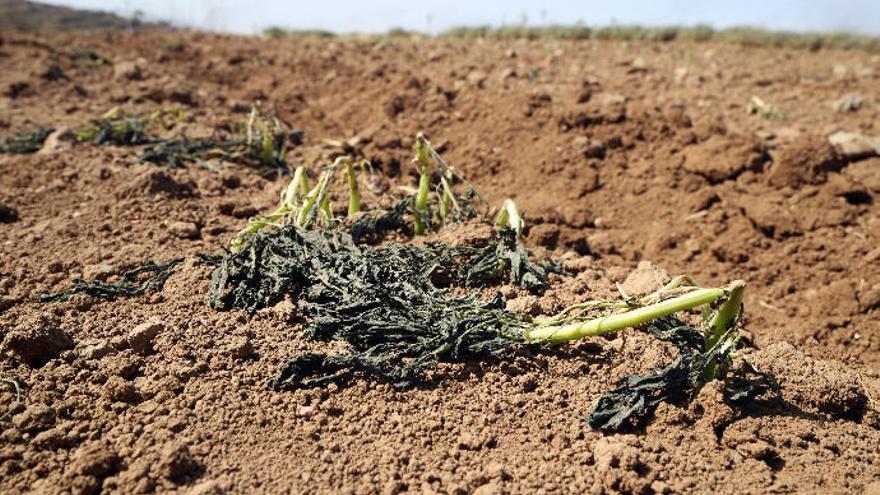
401	309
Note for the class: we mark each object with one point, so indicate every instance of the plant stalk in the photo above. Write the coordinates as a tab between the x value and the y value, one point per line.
619	321
354	193
420	207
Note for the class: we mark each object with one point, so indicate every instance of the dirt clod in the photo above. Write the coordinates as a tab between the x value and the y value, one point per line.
37	340
141	337
184	230
34	419
645	279
96	459
815	386
175	462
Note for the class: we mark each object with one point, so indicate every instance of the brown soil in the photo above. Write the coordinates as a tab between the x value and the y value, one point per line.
613	162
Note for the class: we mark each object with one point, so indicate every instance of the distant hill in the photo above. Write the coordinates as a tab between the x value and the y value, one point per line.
21	15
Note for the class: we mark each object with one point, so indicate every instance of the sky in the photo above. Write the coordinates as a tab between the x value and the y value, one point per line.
373	16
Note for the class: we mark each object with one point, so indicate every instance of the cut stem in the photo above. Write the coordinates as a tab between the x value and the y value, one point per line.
508	216
289	202
420	207
728	312
619	321
354	193
317	199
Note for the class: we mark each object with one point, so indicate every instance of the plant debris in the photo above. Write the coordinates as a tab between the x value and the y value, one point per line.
391	304
121	128
130	284
696	364
25	143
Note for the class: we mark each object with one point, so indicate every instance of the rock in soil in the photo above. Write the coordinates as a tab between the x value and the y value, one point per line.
37	340
854	146
140	338
184	230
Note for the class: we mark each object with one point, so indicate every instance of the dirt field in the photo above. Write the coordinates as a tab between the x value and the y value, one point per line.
618	153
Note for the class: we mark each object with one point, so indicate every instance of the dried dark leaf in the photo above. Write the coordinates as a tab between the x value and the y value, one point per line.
25	143
130	284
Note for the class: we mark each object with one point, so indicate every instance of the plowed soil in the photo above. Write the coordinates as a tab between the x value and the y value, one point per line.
630	160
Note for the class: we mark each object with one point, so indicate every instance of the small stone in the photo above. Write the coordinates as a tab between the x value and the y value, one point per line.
209	487
141	337
853	146
527	305
612	99
814	385
127	365
849	102
51	438
98	271
545	234
61	139
495	470
660	487
393	487
680	74
468	441
94	349
508	73
240	348
477	78
184	230
611	453
585	95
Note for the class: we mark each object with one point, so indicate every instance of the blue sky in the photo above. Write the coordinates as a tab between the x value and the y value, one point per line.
862	16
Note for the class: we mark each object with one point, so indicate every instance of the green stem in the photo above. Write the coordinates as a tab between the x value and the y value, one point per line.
508	216
421	204
317	199
619	321
354	194
727	314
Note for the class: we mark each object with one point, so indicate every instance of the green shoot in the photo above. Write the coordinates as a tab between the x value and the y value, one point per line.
264	137
289	203
354	193
428	162
317	199
421	210
125	127
508	217
17	394
448	203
